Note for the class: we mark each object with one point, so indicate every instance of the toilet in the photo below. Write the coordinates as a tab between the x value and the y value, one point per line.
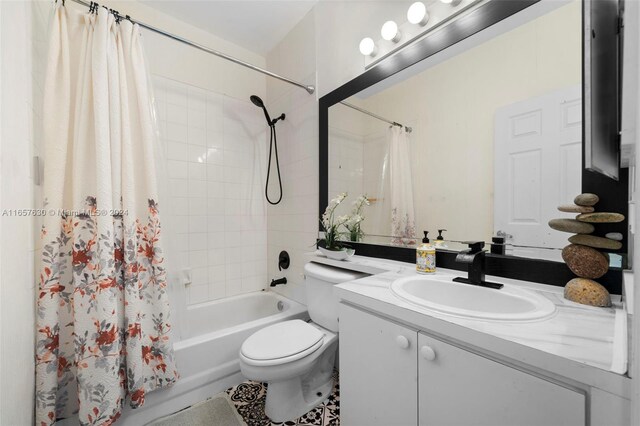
296	358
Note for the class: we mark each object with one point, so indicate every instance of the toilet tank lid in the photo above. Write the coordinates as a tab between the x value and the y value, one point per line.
331	274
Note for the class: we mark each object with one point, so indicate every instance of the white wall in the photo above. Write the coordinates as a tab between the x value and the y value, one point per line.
340	27
293	224
631	121
22	36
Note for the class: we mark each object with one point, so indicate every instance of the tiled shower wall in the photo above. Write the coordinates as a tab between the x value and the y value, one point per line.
215	158
293	224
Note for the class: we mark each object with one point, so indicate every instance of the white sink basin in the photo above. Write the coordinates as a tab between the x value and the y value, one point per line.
444	295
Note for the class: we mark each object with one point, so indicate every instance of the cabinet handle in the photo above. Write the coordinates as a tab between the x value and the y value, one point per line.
402	341
428	353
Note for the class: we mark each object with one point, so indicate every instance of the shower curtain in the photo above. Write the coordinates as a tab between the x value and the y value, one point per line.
403	222
102	330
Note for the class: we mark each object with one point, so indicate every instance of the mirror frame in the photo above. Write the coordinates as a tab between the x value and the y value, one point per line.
536	270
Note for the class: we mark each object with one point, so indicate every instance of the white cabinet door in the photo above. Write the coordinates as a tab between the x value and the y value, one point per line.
378	371
456	387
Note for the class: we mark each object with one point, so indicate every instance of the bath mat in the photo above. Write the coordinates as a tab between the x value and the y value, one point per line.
249	398
218	410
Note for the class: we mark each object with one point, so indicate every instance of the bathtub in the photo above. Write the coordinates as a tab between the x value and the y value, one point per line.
207	356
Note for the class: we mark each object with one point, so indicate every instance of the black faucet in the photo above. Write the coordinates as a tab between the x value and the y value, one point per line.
474	257
278	282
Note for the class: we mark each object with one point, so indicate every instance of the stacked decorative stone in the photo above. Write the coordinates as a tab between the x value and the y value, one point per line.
582	255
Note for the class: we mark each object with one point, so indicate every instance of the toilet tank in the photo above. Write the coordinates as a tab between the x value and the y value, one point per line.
321	302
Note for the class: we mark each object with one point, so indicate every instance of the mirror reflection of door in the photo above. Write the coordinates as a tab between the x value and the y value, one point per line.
538	158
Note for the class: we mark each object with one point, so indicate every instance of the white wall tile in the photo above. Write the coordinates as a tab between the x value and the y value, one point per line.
177	169
197	171
197	224
176	114
233	287
198	293
215	240
198	259
179	206
178	187
197	136
197	242
197	206
216	257
200	275
215	185
217	290
177	151
176	132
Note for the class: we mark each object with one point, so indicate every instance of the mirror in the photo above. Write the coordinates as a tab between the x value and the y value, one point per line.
482	141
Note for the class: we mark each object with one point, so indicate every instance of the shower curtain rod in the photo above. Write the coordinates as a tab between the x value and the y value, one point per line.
364	111
309	89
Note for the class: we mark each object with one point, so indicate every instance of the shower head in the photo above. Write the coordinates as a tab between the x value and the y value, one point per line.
258	102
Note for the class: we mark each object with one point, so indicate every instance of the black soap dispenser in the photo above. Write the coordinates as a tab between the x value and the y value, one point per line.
440	240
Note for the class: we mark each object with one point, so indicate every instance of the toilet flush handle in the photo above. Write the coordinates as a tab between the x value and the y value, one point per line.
403	342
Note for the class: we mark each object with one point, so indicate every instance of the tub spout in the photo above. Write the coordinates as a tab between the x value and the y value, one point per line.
278	282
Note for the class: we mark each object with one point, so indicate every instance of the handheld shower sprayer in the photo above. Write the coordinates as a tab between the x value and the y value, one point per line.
258	102
273	146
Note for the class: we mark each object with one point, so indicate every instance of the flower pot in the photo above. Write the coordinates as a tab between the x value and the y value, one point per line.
341	254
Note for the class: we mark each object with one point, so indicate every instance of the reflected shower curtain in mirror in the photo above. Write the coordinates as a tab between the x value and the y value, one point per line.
102	331
403	218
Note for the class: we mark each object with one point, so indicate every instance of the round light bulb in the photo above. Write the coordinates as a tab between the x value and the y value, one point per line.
390	32
417	14
368	47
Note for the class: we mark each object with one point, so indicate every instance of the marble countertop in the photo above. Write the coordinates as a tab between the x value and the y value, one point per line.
578	342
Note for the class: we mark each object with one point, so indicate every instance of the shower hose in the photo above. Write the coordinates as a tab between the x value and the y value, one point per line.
273	146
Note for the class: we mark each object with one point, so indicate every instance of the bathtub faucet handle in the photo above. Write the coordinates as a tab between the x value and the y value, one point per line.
278	282
283	260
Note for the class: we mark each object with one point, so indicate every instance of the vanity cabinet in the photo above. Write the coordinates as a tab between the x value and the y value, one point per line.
457	387
378	369
391	374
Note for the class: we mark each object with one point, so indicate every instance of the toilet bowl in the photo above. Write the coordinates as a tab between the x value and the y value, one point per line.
296	358
298	366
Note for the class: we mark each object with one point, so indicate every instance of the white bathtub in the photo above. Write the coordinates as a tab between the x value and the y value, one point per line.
207	358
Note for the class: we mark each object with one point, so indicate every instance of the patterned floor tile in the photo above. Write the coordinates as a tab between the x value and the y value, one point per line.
249	398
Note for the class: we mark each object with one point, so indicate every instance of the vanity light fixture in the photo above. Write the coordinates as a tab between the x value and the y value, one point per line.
451	2
368	47
391	32
417	14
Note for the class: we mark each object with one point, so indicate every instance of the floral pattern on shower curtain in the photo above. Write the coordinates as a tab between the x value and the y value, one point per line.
102	329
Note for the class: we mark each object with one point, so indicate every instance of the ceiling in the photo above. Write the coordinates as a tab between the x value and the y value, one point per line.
257	25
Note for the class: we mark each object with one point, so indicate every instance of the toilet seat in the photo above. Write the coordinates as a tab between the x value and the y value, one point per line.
281	343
